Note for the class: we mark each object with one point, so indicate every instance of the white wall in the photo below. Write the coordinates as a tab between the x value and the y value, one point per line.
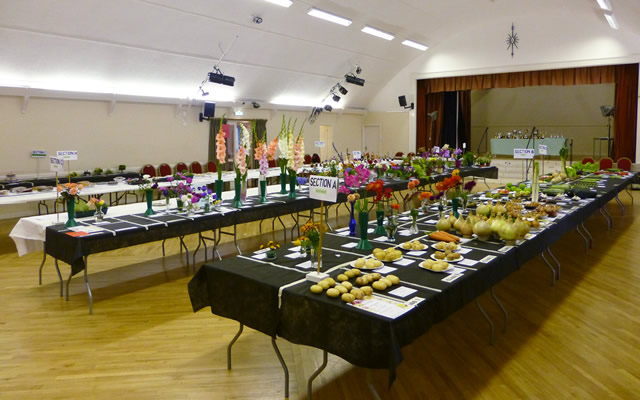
394	130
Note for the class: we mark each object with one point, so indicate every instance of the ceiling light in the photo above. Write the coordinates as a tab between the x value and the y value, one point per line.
605	5
343	90
354	80
314	12
283	3
415	45
611	19
378	33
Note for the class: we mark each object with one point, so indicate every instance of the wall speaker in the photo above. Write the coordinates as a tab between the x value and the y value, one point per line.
209	111
402	100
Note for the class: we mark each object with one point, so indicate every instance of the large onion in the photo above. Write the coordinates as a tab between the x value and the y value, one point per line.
482	229
484	209
466	229
458	224
508	233
443	224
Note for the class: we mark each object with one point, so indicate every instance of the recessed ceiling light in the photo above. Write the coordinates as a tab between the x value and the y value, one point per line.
283	3
605	5
378	33
314	12
611	19
415	45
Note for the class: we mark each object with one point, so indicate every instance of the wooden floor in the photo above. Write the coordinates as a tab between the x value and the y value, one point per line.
580	339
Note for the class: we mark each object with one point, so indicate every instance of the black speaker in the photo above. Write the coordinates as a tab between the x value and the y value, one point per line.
402	100
209	110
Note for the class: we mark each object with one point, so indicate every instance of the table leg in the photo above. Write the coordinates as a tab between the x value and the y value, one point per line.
196	251
235	238
629	193
284	367
326	217
186	250
554	274
586	241
489	321
44	258
163	240
584	228
86	284
608	216
68	283
372	388
315	374
620	204
231	344
555	260
504	310
59	277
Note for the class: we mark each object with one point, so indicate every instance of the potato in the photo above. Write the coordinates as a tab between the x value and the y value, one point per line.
377	263
316	289
356	272
348	297
377	285
360	262
348	285
386	281
343	277
376	276
371	264
361	280
394	279
333	292
324	285
332	283
367	290
341	289
359	294
349	274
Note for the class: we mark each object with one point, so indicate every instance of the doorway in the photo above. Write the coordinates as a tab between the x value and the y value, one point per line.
326	137
371	139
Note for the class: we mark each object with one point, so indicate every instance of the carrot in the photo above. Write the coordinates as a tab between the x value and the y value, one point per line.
454	238
441	236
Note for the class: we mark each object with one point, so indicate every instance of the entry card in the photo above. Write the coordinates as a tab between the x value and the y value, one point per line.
505	249
294	255
465	250
487	259
381	239
456	271
304	265
416	253
452	277
404	262
349	245
468	262
385	270
404	232
402	291
383	306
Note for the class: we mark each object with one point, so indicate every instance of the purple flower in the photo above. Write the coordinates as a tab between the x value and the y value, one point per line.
469	185
164	192
457	152
194	199
209	191
425	155
351	180
301	180
458	163
438	196
154	186
344	189
445	153
189	180
170	179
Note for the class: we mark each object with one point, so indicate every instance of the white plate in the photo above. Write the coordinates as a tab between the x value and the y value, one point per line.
424	247
433	246
427	269
433	257
352	264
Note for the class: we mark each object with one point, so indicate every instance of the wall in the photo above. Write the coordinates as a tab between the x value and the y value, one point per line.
570	111
394	130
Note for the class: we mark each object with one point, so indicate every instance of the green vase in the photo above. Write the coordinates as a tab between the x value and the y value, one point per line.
380	218
455	203
237	202
219	184
363	220
292	186
71	213
283	183
180	204
263	191
149	194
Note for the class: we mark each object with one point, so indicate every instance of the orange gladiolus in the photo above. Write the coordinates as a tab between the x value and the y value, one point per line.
425	195
411	185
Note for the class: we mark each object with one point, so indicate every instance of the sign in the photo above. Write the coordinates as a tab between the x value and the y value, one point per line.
67	155
357	154
436	149
526	154
464	145
319	143
323	188
38	154
56	164
543	149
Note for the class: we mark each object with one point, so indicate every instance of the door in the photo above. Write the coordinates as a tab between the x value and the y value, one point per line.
326	136
371	139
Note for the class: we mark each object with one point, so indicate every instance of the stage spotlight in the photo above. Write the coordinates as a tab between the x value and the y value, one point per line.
327	107
343	90
219	77
255	104
352	79
336	98
358	70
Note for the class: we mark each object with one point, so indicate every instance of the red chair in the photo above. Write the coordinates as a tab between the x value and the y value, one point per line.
149	170
606	163
399	154
181	167
624	163
315	158
588	160
212	167
195	167
164	170
272	163
307	159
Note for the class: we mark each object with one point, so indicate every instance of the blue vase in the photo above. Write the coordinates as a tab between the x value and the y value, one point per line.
352	223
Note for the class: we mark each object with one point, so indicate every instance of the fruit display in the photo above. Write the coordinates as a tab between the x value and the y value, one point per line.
447	255
444	246
435	266
370	263
388	254
413	245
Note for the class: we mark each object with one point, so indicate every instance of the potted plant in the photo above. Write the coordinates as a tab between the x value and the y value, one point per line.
108	172
121	168
271	247
97	171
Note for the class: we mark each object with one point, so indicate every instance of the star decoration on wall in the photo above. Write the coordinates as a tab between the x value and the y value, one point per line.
512	40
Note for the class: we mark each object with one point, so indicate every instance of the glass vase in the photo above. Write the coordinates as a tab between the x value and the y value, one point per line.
219	186
352	222
149	196
283	183
380	219
292	187
99	215
363	221
207	206
180	204
391	227
237	202
243	191
167	201
263	189
413	229
71	213
455	203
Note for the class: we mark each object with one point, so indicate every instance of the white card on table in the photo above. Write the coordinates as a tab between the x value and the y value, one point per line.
381	239
404	232
468	262
304	265
402	291
465	250
505	249
349	245
343	233
416	253
259	256
370	230
294	255
297	248
404	262
385	270
487	259
452	277
455	271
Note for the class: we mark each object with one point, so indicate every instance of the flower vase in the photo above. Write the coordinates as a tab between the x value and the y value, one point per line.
413	229
237	202
292	187
99	215
219	185
455	203
207	206
149	196
243	191
363	220
283	183
380	218
71	213
391	227
263	189
465	200
167	201
180	204
352	222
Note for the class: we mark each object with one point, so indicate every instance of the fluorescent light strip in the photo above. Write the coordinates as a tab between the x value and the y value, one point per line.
605	5
611	19
314	12
378	33
283	3
415	45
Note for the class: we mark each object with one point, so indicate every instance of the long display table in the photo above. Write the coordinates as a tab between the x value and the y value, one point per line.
274	298
506	146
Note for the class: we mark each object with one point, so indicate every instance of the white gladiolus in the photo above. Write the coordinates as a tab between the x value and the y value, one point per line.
245	137
283	146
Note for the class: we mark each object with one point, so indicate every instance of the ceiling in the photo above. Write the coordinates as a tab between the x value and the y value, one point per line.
164	48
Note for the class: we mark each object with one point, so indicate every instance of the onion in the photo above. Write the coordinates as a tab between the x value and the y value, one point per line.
484	209
482	229
499	209
521	228
458	224
508	232
443	224
466	229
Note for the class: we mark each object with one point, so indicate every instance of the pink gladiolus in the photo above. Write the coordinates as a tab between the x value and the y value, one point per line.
271	149
241	160
257	151
73	191
297	156
221	147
